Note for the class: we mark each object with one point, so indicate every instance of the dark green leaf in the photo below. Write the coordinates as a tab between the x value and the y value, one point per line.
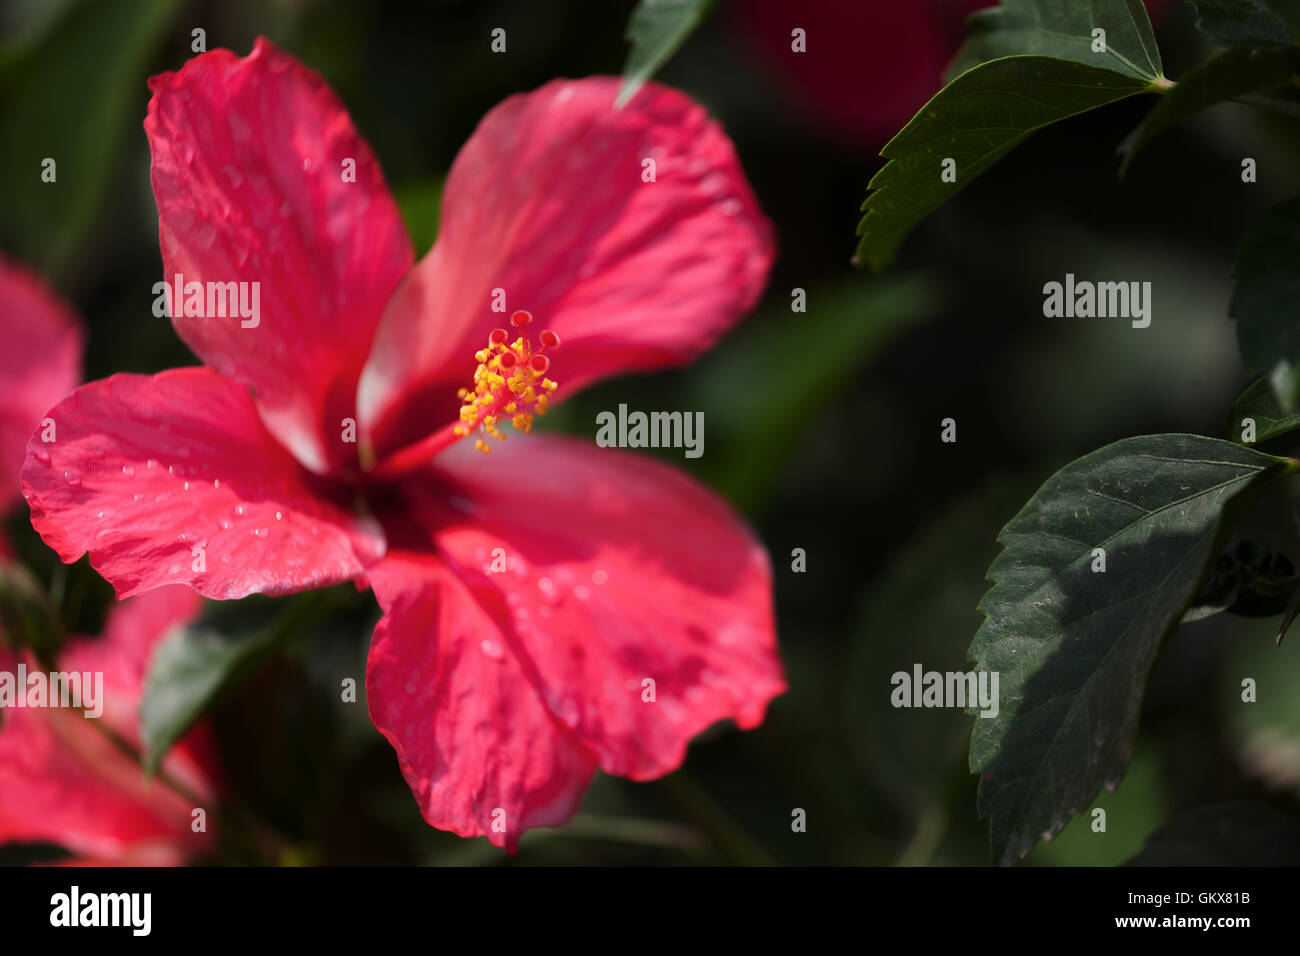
1231	74
1259	403
1063	30
1252	23
975	120
1073	646
190	671
89	67
656	29
1134	811
1224	834
1266	300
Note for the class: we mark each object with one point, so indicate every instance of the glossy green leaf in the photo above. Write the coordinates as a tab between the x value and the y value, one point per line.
1231	74
1063	29
1073	645
1259	404
656	29
1266	300
975	121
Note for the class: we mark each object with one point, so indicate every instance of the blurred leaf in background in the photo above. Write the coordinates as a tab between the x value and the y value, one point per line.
769	380
52	107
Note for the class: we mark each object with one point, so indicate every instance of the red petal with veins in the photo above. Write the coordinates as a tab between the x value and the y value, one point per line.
619	571
547	202
252	169
479	751
148	469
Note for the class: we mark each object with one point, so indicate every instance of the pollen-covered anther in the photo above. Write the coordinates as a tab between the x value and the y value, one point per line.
510	383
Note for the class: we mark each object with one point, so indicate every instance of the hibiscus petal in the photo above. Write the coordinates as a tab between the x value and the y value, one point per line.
617	570
146	470
252	163
546	201
63	781
40	362
478	749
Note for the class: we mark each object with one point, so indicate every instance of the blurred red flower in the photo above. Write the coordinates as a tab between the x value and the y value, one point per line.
528	595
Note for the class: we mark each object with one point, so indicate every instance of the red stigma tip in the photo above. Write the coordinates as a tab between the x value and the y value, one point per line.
498	337
508	360
521	318
540	363
549	339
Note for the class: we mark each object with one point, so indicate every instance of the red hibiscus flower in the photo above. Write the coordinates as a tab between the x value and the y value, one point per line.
65	781
532	595
62	779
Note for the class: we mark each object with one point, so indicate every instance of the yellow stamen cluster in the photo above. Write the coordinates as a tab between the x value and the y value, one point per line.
510	384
